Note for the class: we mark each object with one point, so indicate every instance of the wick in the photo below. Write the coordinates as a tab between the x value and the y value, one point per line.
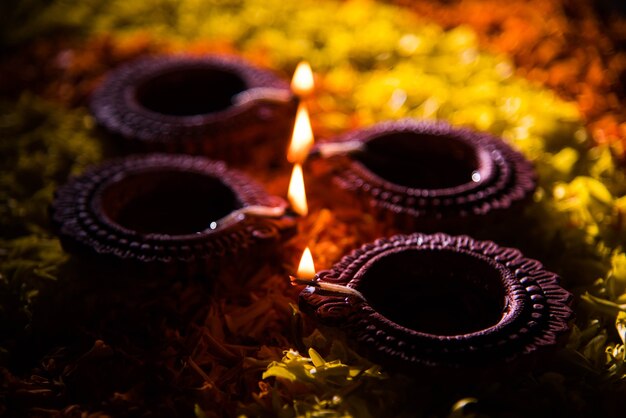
329	287
261	93
253	210
329	149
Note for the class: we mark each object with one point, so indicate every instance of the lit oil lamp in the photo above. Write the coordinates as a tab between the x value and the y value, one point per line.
215	106
303	83
306	267
306	276
297	192
439	300
175	214
302	137
429	176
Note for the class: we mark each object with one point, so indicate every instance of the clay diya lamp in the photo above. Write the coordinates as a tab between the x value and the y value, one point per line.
215	106
440	300
429	176
173	214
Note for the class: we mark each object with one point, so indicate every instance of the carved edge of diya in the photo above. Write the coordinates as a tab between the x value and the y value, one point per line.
264	110
537	307
80	219
507	179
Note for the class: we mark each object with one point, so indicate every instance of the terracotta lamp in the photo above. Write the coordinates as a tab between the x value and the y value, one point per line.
440	300
429	176
215	106
169	213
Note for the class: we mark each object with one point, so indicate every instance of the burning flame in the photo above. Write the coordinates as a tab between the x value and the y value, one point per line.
302	137
302	83
296	193
306	268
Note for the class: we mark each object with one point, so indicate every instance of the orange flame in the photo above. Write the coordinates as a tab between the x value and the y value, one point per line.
302	83
306	268
302	137
296	193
